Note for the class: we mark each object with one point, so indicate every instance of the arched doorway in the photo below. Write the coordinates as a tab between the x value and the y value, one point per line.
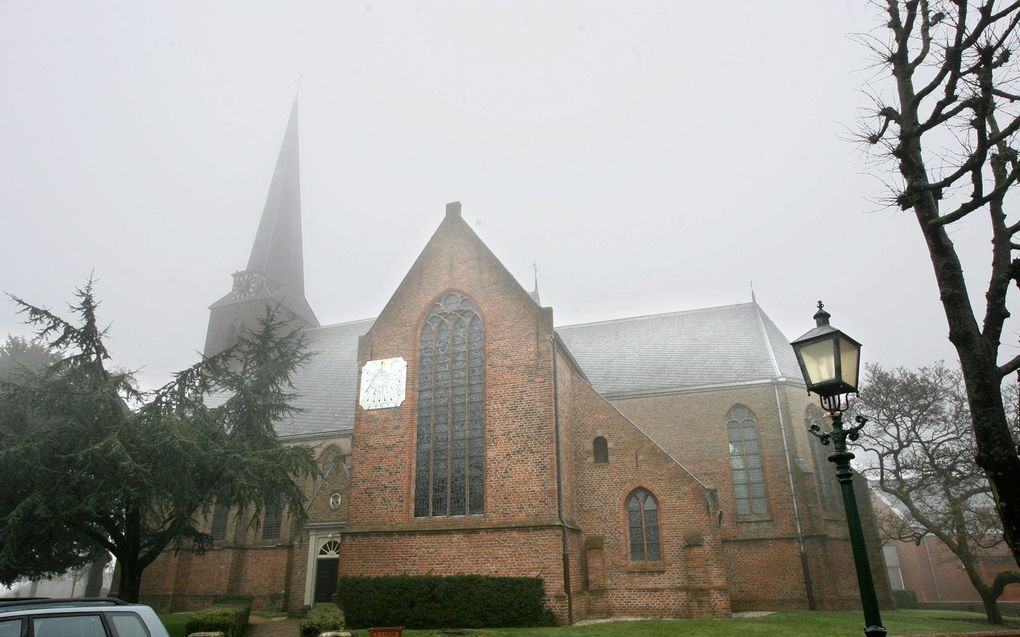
327	566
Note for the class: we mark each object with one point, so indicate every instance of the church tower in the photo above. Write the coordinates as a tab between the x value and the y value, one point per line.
275	272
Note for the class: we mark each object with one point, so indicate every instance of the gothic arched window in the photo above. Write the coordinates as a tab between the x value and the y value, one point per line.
219	522
600	449
450	452
643	520
823	472
745	458
330	459
272	520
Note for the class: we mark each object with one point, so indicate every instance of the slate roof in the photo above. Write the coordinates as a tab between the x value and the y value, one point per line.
326	385
726	345
706	347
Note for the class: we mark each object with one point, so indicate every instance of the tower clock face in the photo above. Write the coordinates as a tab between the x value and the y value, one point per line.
383	383
245	285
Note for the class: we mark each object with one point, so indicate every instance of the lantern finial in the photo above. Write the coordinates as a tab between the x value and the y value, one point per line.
821	316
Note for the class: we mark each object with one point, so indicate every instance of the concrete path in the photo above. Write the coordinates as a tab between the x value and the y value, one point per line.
285	627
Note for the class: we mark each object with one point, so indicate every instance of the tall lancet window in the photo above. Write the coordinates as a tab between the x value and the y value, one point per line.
450	454
745	458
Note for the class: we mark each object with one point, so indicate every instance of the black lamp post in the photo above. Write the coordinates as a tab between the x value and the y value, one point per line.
830	362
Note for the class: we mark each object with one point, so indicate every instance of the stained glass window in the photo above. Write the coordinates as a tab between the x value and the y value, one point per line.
643	519
450	453
600	449
745	458
824	471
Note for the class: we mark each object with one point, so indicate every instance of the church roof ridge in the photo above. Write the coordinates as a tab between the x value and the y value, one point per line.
587	323
639	317
340	324
559	327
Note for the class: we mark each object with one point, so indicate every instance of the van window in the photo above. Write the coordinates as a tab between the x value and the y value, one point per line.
128	625
10	628
69	626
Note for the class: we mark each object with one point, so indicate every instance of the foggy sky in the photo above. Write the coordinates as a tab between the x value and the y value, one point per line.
649	156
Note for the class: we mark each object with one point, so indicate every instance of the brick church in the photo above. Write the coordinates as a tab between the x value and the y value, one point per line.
647	466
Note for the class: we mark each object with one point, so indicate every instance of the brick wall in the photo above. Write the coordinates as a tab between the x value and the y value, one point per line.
762	553
688	580
496	552
197	580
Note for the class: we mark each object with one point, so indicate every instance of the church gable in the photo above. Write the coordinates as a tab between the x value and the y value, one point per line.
455	258
477	400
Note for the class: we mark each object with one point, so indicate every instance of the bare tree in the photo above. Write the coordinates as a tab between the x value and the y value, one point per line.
920	452
957	86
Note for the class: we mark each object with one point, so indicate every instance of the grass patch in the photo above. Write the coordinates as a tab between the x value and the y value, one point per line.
786	624
175	623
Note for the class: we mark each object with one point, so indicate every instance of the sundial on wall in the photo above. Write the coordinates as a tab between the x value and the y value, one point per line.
383	383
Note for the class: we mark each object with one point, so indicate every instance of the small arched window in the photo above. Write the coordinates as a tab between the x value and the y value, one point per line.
601	449
643	519
823	473
745	459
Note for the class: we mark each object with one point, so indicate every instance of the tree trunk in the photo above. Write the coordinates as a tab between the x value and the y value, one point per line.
992	612
130	581
996	452
989	594
94	581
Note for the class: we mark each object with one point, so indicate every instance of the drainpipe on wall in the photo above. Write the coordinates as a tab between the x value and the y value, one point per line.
931	567
808	587
564	539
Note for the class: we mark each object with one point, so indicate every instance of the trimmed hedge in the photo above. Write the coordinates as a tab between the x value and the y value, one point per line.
468	601
230	615
905	599
321	618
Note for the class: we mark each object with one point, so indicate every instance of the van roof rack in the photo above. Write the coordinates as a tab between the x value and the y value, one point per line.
29	602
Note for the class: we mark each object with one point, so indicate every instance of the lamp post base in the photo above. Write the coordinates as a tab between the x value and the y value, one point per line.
874	631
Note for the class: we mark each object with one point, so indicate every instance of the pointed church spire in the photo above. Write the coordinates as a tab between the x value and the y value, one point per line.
275	273
277	251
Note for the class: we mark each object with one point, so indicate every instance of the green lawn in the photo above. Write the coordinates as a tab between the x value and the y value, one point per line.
827	624
175	622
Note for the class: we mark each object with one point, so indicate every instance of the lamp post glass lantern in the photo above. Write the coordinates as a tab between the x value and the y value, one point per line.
830	363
